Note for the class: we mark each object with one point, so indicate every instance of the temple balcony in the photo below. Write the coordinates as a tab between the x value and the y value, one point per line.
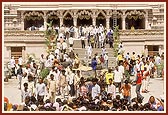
141	35
125	35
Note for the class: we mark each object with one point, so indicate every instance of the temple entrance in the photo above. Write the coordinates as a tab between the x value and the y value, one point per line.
136	21
68	20
119	23
84	21
101	19
30	21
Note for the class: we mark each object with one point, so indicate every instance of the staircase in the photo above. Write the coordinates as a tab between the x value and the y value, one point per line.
82	52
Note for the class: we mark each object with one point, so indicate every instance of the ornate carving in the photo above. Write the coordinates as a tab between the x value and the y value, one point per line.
135	15
68	12
100	12
33	13
52	14
84	13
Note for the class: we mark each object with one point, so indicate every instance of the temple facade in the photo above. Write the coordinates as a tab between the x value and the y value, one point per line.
141	25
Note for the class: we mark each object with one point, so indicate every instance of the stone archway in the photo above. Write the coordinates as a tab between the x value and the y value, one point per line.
84	18
68	20
84	21
135	19
101	19
118	15
53	16
33	20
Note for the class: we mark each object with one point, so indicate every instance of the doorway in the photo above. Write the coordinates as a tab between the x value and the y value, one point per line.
16	52
153	50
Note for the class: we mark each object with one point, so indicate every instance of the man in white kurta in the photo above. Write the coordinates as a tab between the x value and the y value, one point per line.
95	89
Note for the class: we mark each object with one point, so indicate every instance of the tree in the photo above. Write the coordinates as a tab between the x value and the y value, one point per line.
50	37
116	40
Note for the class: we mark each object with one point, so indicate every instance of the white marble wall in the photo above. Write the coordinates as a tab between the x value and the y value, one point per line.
137	47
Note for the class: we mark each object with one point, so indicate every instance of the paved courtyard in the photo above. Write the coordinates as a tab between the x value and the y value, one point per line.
156	88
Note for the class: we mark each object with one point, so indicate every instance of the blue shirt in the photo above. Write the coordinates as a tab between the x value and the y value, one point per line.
94	64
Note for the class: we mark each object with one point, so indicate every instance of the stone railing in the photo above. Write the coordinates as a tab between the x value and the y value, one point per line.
141	35
124	35
23	33
24	36
141	32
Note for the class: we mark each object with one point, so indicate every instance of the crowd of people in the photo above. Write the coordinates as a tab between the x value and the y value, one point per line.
96	36
65	88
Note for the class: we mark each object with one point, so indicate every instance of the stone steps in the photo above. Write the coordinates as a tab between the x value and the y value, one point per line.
82	52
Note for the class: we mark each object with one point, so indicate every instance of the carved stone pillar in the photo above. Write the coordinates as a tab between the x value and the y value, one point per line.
146	20
61	21
123	20
75	21
22	22
61	17
94	20
45	20
75	17
107	22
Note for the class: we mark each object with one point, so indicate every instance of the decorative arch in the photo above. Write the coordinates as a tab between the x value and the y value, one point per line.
53	16
102	12
101	19
52	13
67	12
135	14
84	17
135	19
33	13
68	19
84	14
33	19
116	14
